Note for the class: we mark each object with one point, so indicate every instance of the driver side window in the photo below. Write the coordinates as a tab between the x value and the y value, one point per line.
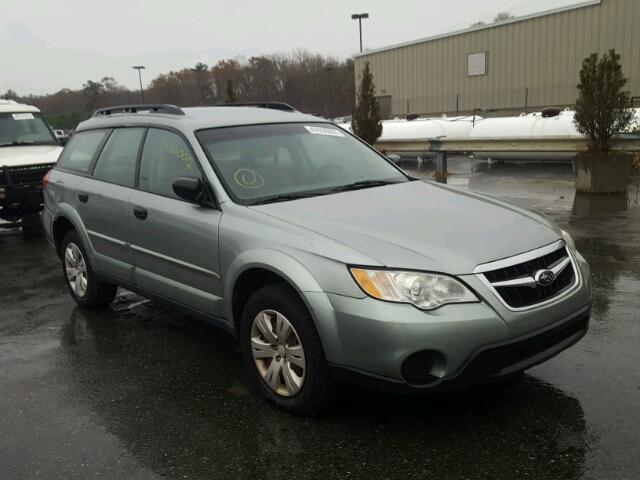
165	157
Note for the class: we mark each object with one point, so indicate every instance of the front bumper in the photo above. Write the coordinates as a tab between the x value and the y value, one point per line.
17	202
487	364
369	341
21	190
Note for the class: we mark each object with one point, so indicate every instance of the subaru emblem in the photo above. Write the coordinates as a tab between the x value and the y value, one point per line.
544	277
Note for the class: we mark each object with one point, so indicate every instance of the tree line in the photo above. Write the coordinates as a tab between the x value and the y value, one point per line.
312	83
500	17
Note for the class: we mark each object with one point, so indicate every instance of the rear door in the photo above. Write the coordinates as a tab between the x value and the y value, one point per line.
174	242
103	202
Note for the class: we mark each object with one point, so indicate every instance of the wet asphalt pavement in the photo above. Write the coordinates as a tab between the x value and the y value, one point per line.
141	392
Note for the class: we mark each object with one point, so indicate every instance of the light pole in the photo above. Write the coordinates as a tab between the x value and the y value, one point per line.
359	17
140	68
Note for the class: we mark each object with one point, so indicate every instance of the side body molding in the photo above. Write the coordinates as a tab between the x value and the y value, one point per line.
102	265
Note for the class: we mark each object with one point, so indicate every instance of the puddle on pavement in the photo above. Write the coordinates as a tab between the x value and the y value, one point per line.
548	186
174	393
180	404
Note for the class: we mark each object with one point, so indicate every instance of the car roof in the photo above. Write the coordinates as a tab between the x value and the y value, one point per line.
197	118
11	106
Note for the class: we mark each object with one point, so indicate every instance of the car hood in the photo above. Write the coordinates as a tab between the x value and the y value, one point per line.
420	225
22	155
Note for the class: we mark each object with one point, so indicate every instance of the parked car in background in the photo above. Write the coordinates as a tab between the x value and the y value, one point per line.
28	150
325	260
61	136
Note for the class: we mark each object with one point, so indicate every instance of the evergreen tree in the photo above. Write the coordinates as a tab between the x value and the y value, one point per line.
10	95
603	108
231	94
366	118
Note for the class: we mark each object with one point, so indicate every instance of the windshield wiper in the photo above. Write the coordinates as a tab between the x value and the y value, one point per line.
341	188
361	184
285	197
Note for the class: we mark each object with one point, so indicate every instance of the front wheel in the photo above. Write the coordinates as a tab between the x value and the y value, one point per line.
84	286
282	350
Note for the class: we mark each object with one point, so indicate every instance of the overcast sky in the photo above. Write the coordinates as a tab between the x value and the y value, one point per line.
46	45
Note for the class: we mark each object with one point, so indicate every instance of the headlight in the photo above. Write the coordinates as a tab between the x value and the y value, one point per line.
424	290
569	241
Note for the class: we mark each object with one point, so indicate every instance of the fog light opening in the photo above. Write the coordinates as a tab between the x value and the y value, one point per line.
423	367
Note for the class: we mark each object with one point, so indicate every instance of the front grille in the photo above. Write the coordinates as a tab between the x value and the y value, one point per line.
526	292
25	175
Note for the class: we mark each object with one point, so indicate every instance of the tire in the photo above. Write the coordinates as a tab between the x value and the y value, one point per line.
316	390
95	294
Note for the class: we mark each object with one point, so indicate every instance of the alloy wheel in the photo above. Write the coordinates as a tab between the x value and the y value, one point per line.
278	352
76	269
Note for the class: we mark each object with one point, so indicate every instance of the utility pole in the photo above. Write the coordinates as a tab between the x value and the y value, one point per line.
140	68
359	17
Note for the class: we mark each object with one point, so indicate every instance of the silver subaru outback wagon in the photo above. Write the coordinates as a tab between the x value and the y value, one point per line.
326	261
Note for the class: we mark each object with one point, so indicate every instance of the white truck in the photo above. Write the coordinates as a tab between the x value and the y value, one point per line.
28	150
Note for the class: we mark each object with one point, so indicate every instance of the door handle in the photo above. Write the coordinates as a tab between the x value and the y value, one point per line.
83	197
140	213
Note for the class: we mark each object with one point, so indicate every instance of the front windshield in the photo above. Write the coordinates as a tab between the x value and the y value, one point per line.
24	129
263	162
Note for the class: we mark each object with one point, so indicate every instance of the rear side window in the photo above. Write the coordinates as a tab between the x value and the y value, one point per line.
165	157
80	150
117	161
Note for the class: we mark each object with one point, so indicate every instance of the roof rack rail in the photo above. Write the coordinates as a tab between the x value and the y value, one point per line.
285	107
153	107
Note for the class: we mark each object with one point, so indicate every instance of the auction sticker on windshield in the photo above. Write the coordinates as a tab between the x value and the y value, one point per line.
22	116
323	131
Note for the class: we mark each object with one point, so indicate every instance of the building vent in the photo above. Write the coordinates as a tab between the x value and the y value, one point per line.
477	64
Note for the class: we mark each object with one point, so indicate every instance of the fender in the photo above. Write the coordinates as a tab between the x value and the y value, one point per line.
274	261
299	277
65	210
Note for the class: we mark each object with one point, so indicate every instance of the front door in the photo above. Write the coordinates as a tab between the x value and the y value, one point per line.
174	242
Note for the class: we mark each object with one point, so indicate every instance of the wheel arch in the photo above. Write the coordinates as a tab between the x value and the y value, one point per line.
66	219
256	268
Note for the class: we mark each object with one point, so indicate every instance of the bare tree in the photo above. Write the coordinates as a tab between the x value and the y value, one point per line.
204	83
300	78
503	17
92	91
231	93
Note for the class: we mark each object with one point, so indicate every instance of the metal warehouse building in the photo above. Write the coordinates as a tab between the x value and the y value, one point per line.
526	63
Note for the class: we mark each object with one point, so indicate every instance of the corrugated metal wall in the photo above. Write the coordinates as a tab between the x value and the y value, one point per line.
543	54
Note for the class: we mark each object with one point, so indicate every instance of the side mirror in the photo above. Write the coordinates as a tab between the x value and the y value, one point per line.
190	189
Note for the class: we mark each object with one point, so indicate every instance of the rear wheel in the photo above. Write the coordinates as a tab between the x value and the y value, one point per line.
82	282
282	350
